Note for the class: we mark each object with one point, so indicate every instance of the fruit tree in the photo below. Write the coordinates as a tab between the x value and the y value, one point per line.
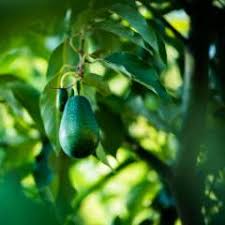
112	112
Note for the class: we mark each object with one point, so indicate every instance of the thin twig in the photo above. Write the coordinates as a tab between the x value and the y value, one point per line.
162	168
100	183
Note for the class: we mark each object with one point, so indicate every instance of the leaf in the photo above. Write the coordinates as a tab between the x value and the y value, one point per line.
112	128
101	155
83	18
7	78
117	221
7	95
49	112
62	55
136	196
97	82
54	64
28	97
42	172
121	31
19	154
135	68
147	221
138	22
162	49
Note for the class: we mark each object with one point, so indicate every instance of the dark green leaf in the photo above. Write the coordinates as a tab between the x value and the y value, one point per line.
112	128
162	49
101	155
138	22
7	78
121	31
137	70
42	173
117	221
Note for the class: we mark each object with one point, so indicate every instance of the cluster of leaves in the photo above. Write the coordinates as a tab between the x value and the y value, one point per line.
125	80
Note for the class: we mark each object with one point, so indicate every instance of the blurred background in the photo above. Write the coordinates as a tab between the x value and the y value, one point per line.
38	183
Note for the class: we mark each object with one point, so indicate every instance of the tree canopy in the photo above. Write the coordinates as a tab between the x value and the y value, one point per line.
152	72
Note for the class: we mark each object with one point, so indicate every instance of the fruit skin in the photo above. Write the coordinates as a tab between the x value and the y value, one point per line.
79	131
61	99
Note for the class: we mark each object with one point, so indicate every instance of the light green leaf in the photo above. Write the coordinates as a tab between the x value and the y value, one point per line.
97	82
136	69
62	55
28	97
49	112
138	22
121	31
136	196
17	92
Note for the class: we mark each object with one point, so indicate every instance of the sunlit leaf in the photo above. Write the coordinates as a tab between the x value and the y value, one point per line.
62	55
49	112
97	82
123	32
28	97
138	22
137	70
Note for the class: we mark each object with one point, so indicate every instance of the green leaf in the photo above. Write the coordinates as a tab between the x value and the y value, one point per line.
7	78
138	22
162	49
97	81
42	172
55	61
136	196
136	69
121	31
19	153
83	19
62	55
6	93
117	221
101	155
112	129
49	112
28	97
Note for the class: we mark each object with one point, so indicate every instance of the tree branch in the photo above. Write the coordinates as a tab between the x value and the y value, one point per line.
162	168
187	185
100	183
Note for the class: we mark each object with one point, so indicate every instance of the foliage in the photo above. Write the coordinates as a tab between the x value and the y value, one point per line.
127	58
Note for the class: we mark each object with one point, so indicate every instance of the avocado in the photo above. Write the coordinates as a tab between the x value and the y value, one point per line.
79	131
61	98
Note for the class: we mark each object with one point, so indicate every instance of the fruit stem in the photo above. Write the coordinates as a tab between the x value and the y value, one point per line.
73	74
82	56
78	87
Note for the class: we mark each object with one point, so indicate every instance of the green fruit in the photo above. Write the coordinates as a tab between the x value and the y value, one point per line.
79	131
61	99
